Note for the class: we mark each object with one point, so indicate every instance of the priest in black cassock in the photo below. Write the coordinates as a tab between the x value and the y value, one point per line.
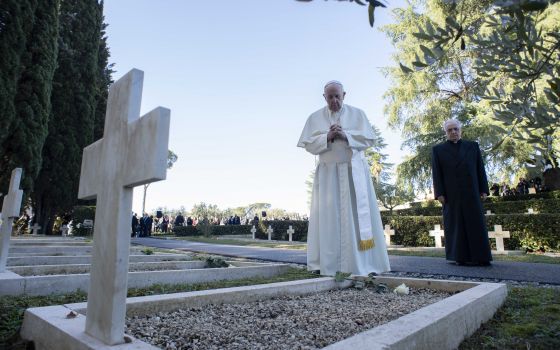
459	184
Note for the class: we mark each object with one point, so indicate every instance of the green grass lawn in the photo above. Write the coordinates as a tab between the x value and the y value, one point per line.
532	258
238	242
529	319
12	308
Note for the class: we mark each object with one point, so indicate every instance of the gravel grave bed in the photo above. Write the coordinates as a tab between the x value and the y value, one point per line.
291	322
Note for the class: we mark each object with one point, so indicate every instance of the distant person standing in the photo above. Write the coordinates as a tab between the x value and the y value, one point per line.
459	184
135	223
179	220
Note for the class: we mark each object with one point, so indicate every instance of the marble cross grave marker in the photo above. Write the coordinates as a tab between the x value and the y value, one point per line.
388	233
290	233
269	231
253	231
35	228
132	152
532	211
499	235
437	233
10	211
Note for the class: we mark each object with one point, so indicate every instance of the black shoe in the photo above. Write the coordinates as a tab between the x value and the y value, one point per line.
316	272
460	263
485	263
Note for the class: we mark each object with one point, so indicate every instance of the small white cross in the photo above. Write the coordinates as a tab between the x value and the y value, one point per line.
64	229
489	212
531	211
437	233
290	233
269	231
35	228
253	231
10	210
499	235
388	233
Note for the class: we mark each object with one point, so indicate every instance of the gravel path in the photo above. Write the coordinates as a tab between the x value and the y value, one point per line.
293	322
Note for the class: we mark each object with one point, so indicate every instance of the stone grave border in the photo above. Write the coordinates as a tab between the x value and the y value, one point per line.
13	284
442	325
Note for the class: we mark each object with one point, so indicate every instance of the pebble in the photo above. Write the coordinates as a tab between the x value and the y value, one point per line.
291	322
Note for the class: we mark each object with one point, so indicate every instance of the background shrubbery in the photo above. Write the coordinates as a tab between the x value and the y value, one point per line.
79	214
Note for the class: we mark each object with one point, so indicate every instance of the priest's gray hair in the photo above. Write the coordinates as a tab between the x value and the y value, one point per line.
334	82
451	121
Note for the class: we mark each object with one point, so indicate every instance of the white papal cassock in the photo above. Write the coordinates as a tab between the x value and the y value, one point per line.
344	212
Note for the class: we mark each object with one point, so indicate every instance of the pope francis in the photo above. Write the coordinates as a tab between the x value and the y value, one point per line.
345	231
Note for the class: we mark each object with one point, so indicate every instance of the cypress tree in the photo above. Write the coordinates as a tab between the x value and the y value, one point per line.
16	21
105	71
72	116
23	146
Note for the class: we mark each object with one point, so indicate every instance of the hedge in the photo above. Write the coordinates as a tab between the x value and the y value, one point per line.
551	206
216	230
492	199
281	227
531	232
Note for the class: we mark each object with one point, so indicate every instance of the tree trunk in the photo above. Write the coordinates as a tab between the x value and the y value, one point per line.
144	200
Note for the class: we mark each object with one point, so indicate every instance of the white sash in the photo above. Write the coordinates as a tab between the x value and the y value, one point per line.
362	200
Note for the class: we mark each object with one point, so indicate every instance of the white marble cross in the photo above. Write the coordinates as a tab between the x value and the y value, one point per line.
388	233
64	229
35	228
489	212
269	231
10	210
499	235
437	233
253	231
290	233
132	152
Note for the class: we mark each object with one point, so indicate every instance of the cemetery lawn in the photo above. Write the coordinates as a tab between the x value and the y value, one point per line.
12	308
530	258
529	319
239	242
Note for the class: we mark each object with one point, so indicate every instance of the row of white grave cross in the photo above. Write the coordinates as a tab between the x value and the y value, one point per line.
437	233
270	231
498	234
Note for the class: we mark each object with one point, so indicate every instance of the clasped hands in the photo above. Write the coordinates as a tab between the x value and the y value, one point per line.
336	133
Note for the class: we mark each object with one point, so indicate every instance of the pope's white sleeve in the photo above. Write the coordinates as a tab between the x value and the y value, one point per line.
360	137
314	141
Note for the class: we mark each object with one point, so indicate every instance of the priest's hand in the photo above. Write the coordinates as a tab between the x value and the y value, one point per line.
441	199
483	195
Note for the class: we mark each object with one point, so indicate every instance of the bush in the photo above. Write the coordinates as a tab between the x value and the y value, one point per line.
186	231
532	232
79	214
219	230
215	230
540	205
280	227
524	197
412	231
